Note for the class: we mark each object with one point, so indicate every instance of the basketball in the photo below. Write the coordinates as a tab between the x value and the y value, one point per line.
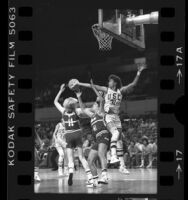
73	85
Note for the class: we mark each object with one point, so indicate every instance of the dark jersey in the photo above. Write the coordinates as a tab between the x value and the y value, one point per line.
98	125
71	121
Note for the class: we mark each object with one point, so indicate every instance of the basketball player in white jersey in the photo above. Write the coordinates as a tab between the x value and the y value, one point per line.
60	145
113	97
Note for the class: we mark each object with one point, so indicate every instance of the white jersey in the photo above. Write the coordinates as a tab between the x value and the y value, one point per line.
112	101
59	135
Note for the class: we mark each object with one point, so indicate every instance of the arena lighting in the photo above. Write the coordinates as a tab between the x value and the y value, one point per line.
126	120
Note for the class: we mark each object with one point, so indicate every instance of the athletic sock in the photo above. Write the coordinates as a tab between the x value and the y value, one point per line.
104	172
142	162
120	156
95	179
36	170
89	175
59	166
71	170
113	147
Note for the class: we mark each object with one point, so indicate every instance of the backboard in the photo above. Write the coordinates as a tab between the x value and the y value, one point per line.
127	25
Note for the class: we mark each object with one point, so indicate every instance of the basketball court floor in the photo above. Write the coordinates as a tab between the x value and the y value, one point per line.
139	181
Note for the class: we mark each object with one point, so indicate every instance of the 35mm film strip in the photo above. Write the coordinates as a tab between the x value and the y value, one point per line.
22	62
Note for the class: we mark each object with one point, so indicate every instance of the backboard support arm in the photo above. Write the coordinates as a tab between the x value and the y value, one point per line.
100	17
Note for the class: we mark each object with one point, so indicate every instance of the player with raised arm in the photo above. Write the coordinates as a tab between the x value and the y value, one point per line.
113	97
102	136
73	133
60	144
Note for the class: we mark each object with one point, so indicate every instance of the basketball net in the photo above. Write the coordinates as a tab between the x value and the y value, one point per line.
104	39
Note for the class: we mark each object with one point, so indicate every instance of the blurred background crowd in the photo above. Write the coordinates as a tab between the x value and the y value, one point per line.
139	140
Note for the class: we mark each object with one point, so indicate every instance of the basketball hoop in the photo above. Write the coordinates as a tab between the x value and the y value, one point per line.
104	39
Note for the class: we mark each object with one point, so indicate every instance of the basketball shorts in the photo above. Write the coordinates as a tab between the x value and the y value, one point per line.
74	139
60	143
103	138
112	120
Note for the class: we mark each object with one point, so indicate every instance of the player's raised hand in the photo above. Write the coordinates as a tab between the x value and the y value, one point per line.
52	146
64	144
92	84
62	87
141	67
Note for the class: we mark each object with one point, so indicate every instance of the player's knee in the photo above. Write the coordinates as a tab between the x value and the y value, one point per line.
119	144
115	135
90	161
110	126
61	157
61	153
101	154
81	157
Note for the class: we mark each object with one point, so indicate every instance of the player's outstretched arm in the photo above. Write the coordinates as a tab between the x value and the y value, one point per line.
56	100
101	99
100	88
96	91
130	87
82	106
82	110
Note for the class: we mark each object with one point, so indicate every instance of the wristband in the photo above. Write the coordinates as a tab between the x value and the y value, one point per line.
78	94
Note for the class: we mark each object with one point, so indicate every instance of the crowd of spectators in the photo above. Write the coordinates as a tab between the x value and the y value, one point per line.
139	139
45	97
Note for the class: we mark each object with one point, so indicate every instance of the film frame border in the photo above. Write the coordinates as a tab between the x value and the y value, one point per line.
169	36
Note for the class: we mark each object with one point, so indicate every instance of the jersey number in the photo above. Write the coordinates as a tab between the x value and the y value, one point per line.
70	122
113	101
114	98
94	128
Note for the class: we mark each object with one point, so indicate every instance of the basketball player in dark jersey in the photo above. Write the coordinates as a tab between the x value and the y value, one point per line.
73	133
102	136
113	98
